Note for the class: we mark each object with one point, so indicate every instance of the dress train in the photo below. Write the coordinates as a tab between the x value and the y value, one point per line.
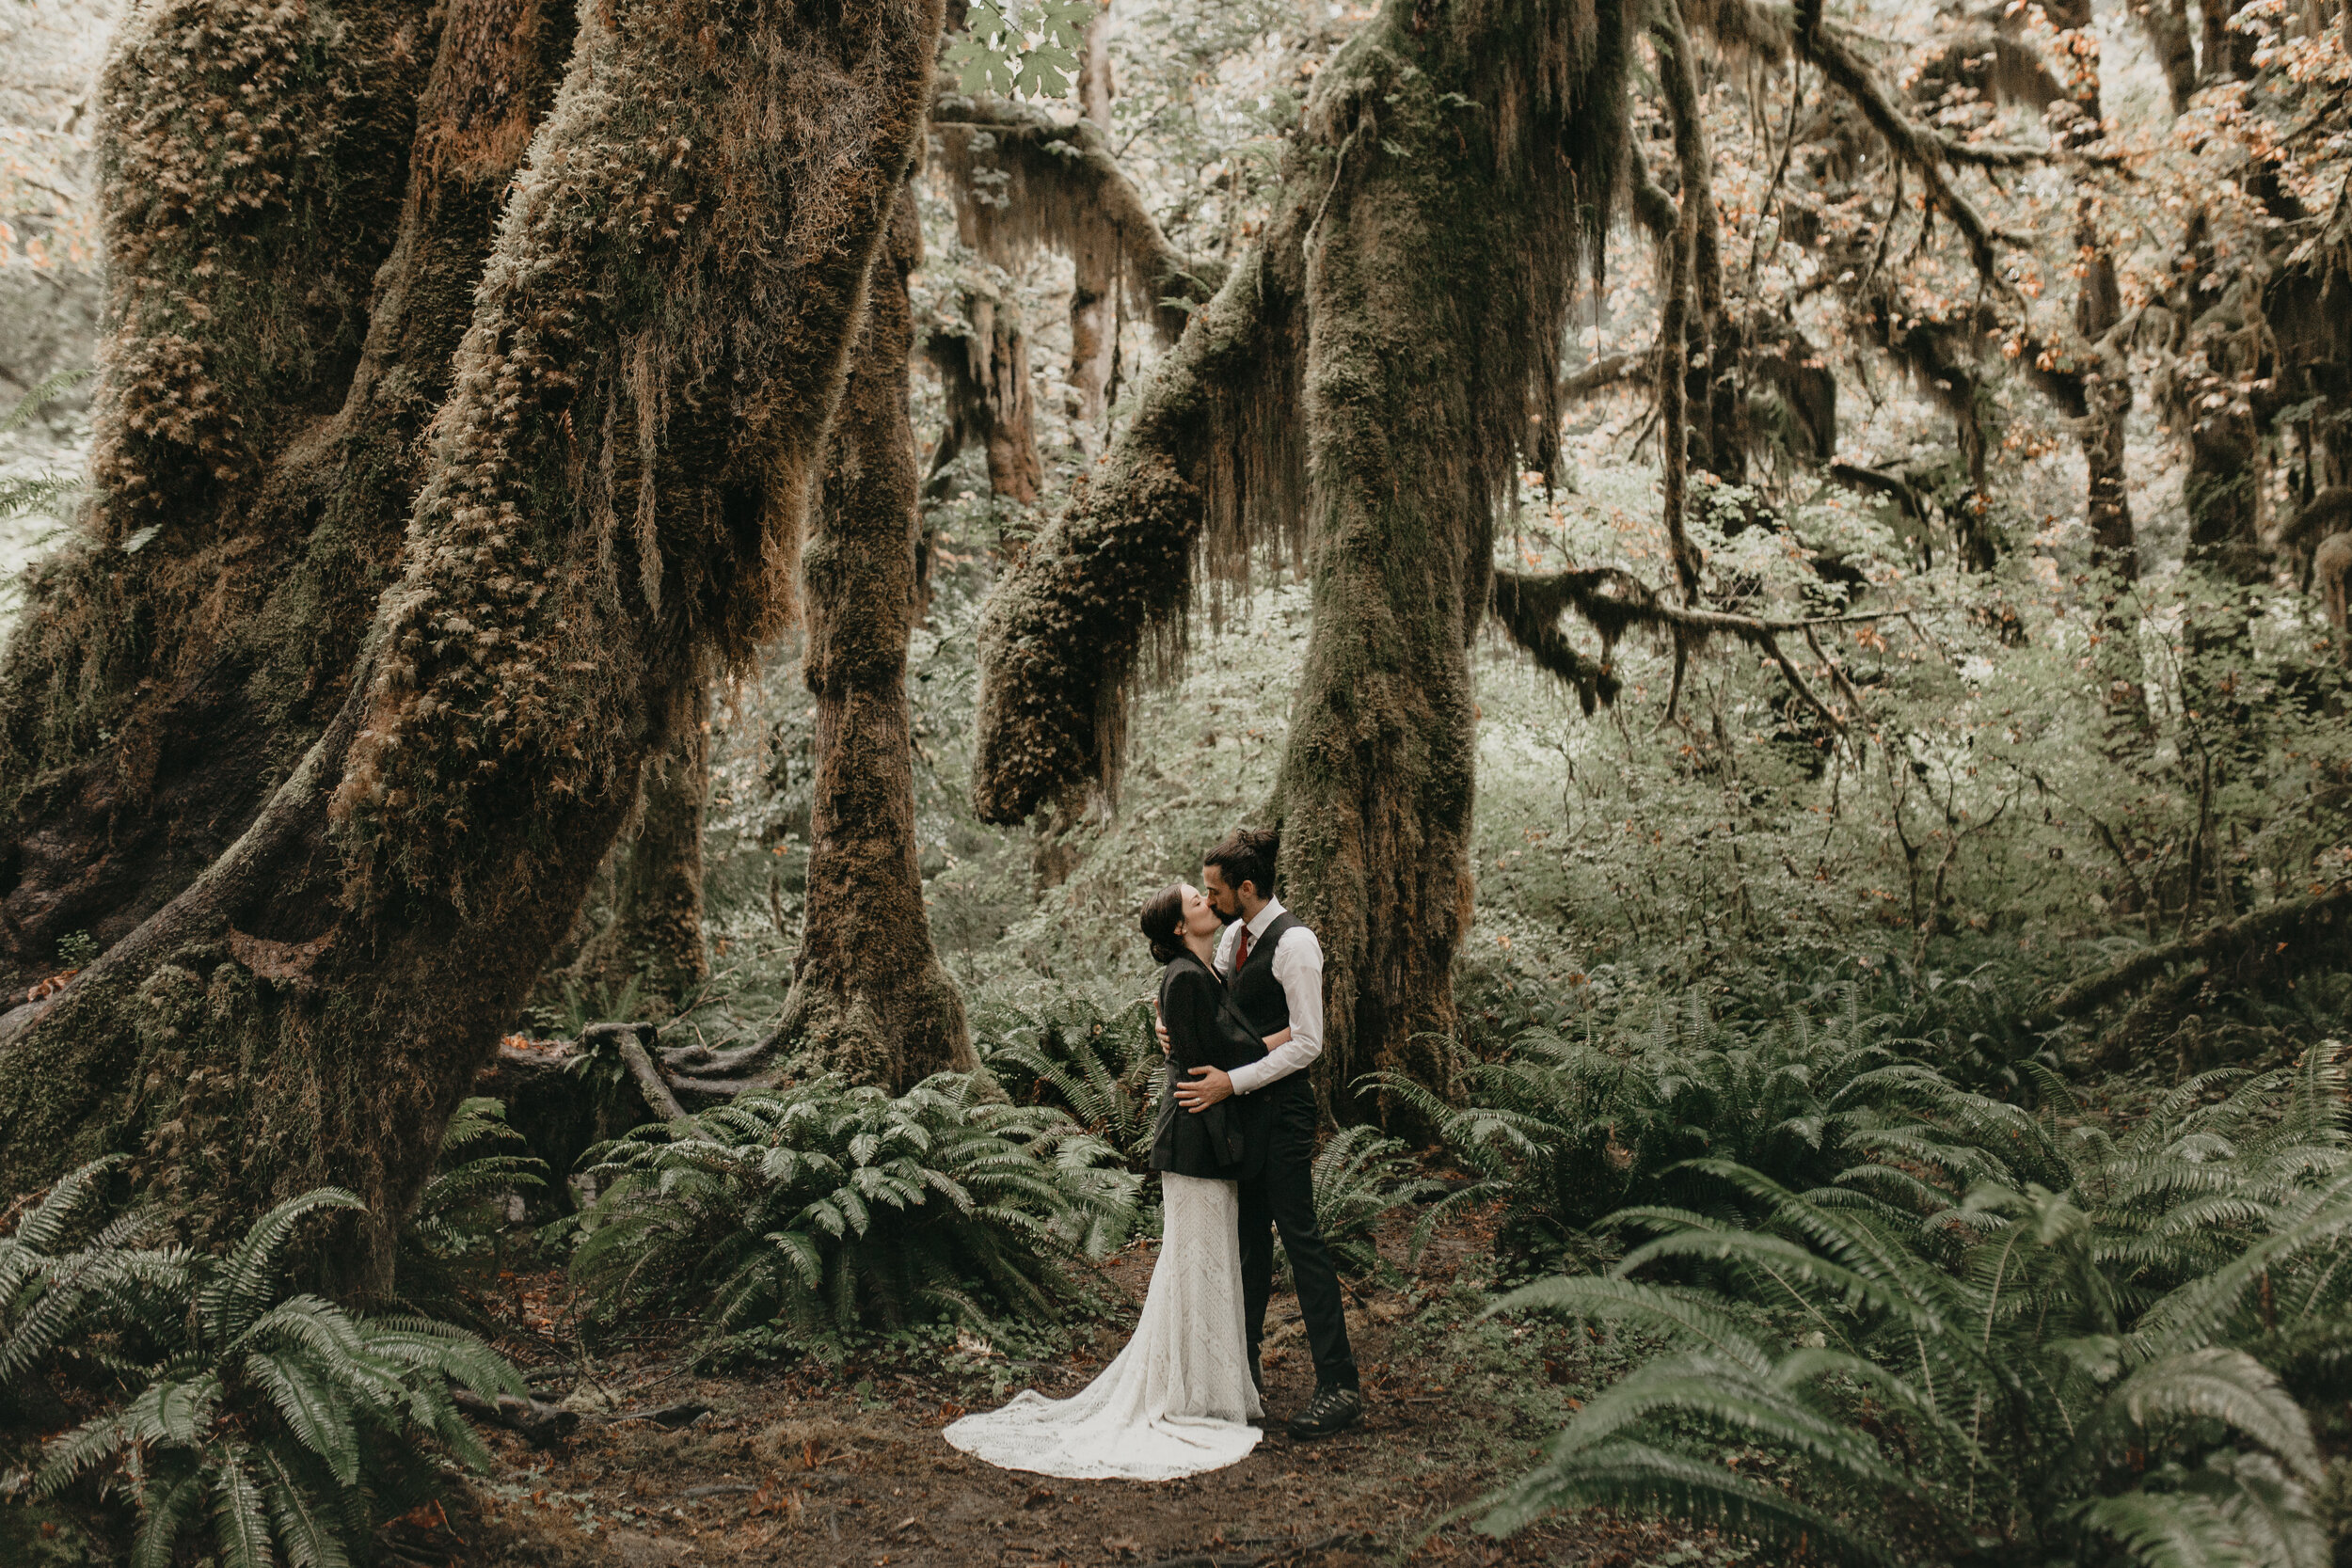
1178	1398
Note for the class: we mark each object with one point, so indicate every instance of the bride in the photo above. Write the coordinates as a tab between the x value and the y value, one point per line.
1179	1399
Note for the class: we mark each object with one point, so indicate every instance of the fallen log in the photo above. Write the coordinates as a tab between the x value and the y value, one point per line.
2272	943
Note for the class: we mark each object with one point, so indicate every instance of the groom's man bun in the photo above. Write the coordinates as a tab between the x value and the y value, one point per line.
1247	855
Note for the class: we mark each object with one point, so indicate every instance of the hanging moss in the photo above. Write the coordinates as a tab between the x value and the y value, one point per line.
1021	180
647	934
153	696
1372	375
984	372
609	512
1210	461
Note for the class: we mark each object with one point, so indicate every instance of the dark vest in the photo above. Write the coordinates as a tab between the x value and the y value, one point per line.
1255	990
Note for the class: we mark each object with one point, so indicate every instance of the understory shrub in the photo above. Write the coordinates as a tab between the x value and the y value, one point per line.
271	1423
817	1209
1561	1132
1361	1178
2000	1336
1102	1068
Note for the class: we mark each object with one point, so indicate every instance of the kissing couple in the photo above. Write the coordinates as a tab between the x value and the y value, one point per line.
1241	1017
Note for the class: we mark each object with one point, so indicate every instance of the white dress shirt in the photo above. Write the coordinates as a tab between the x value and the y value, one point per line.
1298	969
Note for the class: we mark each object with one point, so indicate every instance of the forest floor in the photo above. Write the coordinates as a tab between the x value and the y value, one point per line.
845	1466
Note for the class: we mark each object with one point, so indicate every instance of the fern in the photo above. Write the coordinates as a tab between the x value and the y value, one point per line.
1361	1178
274	1425
1560	1132
2048	1334
484	1161
20	493
824	1207
1102	1068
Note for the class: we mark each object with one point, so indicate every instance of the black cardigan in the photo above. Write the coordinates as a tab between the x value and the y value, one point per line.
1202	1032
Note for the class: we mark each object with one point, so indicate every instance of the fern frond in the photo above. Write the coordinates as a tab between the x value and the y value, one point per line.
240	1512
318	1413
168	1505
1635	1478
240	1289
310	1532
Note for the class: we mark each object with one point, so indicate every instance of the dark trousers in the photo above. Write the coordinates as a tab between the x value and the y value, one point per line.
1282	1197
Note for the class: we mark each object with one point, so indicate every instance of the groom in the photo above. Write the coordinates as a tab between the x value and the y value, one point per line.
1274	967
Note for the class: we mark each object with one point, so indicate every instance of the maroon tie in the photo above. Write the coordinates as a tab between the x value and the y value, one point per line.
1241	951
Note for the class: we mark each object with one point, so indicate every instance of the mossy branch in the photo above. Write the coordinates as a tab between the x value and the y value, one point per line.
2260	935
1062	186
1922	149
1598	377
1066	628
1613	602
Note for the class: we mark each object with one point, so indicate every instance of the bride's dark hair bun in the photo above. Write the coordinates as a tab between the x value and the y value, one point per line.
1162	912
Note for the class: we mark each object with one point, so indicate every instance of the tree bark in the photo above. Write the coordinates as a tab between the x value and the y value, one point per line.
609	509
985	374
2166	23
869	996
1695	215
652	938
2228	56
257	424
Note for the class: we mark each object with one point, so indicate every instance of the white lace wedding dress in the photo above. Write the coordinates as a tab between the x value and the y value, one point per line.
1178	1398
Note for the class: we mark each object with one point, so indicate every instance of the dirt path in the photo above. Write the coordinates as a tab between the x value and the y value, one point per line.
839	1467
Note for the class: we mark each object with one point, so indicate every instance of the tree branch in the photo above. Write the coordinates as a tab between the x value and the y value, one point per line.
1210	457
1601	375
1924	149
1062	186
2256	937
1682	95
1614	602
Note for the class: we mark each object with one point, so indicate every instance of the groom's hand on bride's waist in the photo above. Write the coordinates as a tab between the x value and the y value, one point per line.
1207	1086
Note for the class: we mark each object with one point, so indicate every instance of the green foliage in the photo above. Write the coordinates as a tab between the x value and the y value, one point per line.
278	1424
45	1292
1064	1050
1007	49
1561	1132
1361	1178
570	1019
478	1168
20	493
1999	1336
817	1209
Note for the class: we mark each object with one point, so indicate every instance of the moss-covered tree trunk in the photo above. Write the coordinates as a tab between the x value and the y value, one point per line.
984	372
1095	263
1375	367
609	512
646	941
258	424
869	996
1419	377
